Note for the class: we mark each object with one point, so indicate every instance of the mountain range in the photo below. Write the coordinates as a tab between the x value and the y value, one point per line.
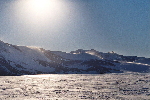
23	60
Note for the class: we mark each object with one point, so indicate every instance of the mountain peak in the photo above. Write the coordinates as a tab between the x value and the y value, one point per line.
20	60
1	42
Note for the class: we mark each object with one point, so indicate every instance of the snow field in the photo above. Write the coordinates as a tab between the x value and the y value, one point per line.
125	86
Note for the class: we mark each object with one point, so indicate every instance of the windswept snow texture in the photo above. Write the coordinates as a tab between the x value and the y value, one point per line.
126	86
23	60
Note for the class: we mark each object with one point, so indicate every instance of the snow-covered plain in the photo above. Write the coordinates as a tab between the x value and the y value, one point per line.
122	86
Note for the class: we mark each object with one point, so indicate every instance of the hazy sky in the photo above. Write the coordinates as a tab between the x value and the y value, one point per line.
122	26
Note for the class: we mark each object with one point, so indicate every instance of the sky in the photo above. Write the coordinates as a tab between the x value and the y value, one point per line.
122	26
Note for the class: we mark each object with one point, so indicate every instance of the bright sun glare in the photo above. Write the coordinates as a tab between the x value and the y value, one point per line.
40	5
40	13
43	7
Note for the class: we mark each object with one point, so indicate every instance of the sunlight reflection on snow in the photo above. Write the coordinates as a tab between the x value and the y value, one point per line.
125	86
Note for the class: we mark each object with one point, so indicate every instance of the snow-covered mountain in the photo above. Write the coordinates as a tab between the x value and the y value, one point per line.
23	60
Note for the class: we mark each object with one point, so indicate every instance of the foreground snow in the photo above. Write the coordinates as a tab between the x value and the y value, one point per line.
125	86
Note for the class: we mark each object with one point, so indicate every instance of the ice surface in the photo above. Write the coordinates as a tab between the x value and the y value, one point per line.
125	86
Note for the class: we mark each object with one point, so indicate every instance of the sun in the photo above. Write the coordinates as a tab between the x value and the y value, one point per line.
40	12
40	5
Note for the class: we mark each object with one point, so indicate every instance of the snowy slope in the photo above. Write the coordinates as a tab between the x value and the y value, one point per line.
21	57
20	60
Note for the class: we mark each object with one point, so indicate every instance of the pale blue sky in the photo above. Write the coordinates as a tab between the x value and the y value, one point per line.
122	26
